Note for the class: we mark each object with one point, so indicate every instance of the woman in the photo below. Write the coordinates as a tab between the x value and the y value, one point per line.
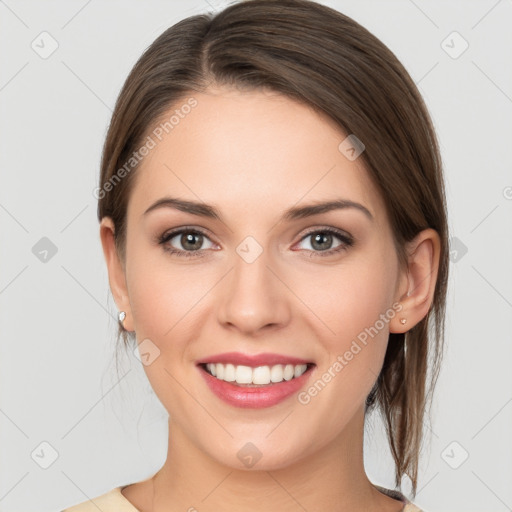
273	219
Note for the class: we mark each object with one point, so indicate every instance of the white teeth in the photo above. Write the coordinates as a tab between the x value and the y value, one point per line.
229	373
260	376
243	374
276	373
288	372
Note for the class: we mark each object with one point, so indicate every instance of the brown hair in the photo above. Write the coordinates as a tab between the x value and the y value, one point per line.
318	56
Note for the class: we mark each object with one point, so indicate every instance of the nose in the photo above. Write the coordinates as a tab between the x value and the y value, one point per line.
253	297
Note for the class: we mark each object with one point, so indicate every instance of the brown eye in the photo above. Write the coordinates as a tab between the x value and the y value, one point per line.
191	241
184	242
322	241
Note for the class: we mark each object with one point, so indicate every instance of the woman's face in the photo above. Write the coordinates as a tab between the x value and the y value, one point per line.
290	289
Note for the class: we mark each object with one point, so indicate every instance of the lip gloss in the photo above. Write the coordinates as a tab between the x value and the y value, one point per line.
254	397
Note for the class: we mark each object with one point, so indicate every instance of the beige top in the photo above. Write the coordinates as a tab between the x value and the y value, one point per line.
114	501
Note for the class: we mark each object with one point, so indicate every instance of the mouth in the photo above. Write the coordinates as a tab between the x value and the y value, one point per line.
255	381
259	376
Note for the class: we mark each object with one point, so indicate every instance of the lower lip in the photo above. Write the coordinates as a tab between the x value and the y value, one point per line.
254	397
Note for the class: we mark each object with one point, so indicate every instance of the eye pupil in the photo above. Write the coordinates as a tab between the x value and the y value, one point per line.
321	237
188	238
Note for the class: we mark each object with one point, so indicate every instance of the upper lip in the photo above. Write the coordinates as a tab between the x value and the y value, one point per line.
264	359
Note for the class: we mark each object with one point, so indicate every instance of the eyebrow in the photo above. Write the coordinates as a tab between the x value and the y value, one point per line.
296	212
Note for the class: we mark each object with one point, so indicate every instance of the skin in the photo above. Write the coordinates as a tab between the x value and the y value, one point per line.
254	154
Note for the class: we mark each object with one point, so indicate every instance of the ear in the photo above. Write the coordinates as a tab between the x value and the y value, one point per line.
418	280
116	271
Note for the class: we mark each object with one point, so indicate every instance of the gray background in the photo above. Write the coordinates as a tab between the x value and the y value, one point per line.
58	379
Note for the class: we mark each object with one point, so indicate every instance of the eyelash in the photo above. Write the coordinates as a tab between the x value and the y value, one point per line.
347	241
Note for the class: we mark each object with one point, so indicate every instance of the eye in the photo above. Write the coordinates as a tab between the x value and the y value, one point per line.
191	241
322	241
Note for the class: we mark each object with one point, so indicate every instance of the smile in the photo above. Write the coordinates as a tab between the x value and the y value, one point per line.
261	375
254	381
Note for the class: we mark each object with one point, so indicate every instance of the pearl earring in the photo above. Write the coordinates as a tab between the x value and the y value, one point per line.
403	321
121	316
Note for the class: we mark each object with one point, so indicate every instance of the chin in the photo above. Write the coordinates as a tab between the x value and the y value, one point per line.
258	455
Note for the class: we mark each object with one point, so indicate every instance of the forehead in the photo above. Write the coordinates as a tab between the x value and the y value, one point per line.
249	151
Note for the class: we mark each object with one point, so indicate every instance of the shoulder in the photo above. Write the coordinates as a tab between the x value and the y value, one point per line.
112	501
409	507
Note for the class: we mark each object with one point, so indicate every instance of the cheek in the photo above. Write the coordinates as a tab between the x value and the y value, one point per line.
346	300
165	303
164	297
354	305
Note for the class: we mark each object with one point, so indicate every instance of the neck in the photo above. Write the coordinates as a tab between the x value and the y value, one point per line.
333	477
